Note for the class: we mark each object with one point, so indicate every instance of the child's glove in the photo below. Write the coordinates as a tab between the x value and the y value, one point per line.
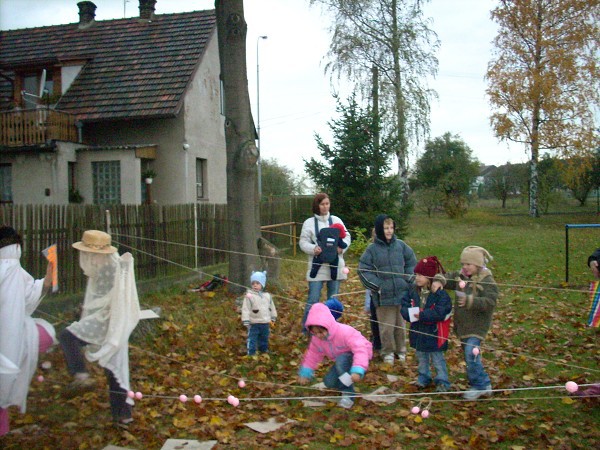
246	323
272	324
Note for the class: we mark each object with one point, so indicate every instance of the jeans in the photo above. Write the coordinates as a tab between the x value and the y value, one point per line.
72	349
439	363
476	374
314	295
342	364
258	336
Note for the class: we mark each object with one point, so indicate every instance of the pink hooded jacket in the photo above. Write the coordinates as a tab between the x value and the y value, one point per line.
341	339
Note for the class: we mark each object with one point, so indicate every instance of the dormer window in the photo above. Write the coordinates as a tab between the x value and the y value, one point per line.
33	92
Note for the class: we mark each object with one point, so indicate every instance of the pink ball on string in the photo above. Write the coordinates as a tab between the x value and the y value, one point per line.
346	270
139	395
130	394
242	383
415	410
40	378
571	386
235	402
248	295
197	398
475	351
425	414
183	398
462	284
230	399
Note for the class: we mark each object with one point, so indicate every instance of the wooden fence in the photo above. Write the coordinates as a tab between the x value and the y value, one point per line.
165	240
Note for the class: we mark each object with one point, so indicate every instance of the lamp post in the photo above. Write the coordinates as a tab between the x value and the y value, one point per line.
258	120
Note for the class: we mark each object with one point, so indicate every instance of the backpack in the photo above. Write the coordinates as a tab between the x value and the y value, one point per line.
327	239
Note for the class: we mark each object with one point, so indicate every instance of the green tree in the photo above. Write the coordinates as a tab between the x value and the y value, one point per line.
353	170
505	182
448	166
581	175
544	78
392	37
278	180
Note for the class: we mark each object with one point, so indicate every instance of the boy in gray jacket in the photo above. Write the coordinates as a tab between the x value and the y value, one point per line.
386	268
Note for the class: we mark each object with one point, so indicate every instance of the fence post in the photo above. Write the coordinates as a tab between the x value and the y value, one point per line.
107	213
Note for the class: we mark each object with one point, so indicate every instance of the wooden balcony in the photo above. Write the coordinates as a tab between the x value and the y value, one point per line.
36	127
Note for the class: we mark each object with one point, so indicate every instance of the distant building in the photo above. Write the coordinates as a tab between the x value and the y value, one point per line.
88	109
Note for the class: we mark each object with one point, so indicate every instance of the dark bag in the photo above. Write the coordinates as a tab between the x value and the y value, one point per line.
327	239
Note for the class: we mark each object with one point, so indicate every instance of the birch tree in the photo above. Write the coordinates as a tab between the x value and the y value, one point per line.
242	154
544	79
393	37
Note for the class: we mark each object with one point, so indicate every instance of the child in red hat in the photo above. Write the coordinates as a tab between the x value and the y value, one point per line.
430	323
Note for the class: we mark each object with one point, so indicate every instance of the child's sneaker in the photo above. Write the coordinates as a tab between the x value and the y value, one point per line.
346	402
402	357
474	393
441	388
389	359
81	384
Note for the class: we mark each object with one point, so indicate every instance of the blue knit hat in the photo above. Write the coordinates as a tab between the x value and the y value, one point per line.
336	307
261	277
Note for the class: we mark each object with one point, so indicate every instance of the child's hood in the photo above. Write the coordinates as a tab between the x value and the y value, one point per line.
321	316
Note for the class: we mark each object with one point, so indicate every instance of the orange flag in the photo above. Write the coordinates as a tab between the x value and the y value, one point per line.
52	257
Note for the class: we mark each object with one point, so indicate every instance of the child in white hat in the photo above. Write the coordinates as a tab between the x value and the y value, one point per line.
476	297
258	312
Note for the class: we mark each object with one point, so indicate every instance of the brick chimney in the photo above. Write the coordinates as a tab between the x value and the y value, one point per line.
147	9
87	13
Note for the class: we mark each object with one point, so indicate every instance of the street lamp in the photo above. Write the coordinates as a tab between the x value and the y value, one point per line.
258	120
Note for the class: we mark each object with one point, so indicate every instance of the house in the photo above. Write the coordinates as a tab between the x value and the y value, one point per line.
88	110
484	172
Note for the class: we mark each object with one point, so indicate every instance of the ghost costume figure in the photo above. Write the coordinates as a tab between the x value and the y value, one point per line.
110	313
22	338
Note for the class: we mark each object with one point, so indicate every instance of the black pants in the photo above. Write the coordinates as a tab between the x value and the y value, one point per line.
73	350
375	339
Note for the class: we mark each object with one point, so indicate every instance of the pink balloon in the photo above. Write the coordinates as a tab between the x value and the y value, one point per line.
415	410
242	383
130	394
40	378
248	295
138	395
197	398
425	414
183	398
346	270
571	386
475	351
462	284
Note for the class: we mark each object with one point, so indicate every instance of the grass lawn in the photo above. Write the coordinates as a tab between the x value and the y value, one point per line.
538	342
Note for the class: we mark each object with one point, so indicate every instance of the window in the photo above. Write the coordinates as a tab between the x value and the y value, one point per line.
201	193
31	85
106	177
5	183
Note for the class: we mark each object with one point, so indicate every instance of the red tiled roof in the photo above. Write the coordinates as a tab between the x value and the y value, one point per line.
134	69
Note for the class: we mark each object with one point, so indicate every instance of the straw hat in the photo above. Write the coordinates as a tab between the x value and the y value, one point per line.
95	241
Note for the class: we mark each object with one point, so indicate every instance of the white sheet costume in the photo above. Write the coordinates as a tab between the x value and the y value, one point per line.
20	295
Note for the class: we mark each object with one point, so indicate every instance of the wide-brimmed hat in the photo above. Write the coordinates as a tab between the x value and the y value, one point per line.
95	241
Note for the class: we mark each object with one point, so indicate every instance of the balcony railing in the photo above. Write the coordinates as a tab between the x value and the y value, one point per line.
36	127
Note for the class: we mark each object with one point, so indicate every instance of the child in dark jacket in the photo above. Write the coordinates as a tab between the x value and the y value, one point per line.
345	346
318	260
429	326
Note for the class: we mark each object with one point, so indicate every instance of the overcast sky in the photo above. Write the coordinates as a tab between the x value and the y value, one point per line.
295	95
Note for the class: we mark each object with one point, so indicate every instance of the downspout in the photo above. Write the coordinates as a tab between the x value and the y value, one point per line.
79	126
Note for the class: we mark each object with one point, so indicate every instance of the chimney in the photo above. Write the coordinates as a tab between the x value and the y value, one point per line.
87	13
147	9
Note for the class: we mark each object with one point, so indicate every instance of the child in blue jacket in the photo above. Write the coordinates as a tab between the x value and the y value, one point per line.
429	327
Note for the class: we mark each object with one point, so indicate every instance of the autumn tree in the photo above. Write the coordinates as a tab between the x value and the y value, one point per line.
582	175
505	181
544	79
448	167
242	154
392	37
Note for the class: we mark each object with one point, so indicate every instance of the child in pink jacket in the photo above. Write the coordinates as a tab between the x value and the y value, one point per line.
341	343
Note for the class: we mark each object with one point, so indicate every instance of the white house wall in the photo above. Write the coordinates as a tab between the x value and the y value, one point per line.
204	127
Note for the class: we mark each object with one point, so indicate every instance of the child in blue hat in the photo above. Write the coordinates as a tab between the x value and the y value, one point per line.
336	308
258	311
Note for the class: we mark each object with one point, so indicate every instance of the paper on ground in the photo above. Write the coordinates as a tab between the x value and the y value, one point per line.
148	314
379	395
265	427
187	444
313	403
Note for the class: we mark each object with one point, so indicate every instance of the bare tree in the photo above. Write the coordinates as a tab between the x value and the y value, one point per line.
392	37
242	154
544	79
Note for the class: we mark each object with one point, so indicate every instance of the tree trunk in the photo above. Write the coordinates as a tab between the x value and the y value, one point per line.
242	154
